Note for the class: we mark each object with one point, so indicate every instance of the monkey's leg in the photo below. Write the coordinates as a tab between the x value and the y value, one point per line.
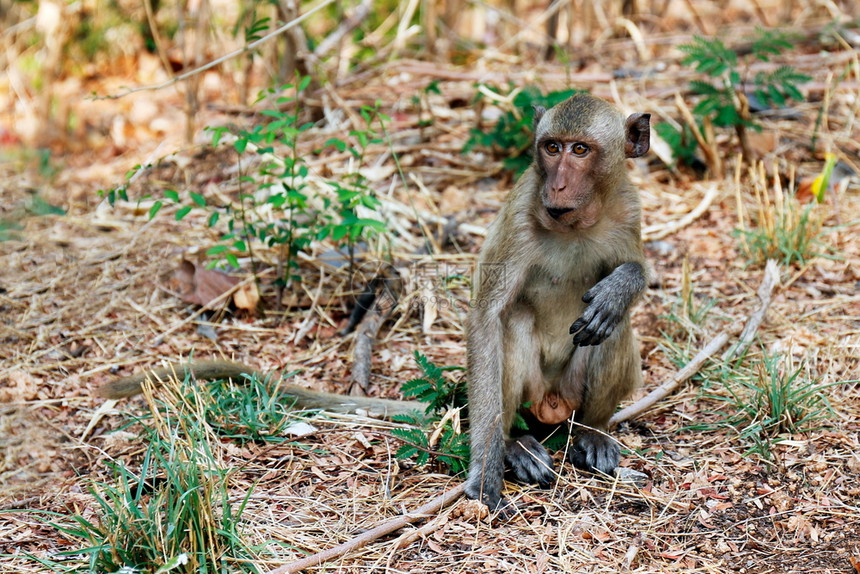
485	357
612	371
527	459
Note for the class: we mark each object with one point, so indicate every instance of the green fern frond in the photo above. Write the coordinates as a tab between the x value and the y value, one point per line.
414	418
704	88
416	388
406	451
769	42
709	56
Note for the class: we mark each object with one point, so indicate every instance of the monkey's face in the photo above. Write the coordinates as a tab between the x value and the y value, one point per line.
568	193
580	150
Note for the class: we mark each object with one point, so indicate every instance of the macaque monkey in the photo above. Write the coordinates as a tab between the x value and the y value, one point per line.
549	326
304	398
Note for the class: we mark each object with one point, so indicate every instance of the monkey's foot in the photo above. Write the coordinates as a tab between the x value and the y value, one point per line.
494	500
595	452
529	461
491	495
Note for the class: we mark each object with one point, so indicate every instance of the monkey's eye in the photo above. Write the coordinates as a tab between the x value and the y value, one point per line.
580	149
552	148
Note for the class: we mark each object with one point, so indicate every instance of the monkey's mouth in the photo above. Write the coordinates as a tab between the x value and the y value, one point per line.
558	212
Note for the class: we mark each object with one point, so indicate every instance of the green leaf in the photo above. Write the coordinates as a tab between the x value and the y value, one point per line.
775	95
198	199
154	209
183	211
519	422
406	451
217	134
232	260
339	232
171	195
217	250
340	145
704	88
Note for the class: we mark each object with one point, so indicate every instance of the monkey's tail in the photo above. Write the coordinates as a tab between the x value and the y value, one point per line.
304	398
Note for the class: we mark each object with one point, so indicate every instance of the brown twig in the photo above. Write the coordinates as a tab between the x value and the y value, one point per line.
359	15
655	232
765	295
669	386
383	305
428	509
408	538
705	141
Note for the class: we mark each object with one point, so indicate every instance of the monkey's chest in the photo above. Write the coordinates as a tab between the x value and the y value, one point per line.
554	297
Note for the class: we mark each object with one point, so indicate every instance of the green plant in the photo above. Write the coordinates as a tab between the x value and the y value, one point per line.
511	137
278	213
779	225
771	400
9	230
281	206
434	388
681	140
421	101
724	98
352	191
175	514
437	432
252	410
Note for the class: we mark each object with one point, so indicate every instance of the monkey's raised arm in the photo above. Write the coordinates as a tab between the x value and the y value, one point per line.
303	398
608	303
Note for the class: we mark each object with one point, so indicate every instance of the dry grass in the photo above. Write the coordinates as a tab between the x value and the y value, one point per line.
87	296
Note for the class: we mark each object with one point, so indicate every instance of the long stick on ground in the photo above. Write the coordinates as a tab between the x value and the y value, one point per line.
669	386
765	294
428	509
383	305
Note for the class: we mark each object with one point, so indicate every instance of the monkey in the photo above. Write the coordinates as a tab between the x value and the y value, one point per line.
304	398
549	323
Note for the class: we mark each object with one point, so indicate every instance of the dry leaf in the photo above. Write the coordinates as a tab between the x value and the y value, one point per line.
247	297
202	286
20	386
762	143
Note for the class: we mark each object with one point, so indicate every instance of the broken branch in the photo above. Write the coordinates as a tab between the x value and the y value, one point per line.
669	386
428	509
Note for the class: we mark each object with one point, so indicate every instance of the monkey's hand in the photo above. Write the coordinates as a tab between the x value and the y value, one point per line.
529	461
595	452
608	302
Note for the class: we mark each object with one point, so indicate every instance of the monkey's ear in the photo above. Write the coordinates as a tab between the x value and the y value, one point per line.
539	112
638	135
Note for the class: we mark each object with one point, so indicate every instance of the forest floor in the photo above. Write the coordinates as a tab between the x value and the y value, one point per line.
89	295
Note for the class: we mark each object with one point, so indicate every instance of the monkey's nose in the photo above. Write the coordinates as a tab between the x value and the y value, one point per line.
556	212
